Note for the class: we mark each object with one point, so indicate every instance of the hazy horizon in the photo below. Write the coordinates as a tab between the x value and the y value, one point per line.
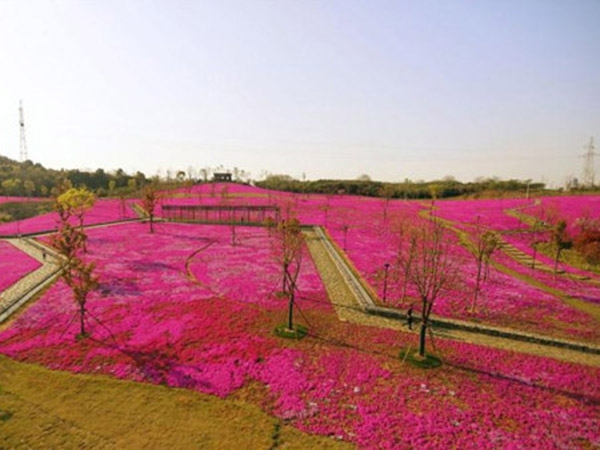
395	90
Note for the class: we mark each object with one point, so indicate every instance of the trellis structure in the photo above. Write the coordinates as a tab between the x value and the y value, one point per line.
238	214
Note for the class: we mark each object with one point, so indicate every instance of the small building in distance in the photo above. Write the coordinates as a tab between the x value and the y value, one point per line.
222	176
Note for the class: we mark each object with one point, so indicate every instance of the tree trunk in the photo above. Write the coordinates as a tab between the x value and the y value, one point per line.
422	335
284	280
151	224
556	259
534	256
81	319
426	309
477	285
291	311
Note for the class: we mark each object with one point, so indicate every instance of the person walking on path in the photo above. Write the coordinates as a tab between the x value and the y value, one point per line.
409	317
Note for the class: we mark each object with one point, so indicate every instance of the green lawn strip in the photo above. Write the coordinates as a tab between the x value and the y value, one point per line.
525	218
572	258
587	307
40	408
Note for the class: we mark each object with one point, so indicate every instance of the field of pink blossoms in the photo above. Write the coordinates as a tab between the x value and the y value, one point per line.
186	308
104	211
14	265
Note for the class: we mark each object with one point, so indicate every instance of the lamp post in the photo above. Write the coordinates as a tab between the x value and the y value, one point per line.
385	277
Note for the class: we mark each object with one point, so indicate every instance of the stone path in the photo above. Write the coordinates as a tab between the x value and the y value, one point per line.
349	308
27	287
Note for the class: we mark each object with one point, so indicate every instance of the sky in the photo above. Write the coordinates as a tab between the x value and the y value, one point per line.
396	90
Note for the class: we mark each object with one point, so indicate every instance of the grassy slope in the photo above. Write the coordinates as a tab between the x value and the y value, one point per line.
40	408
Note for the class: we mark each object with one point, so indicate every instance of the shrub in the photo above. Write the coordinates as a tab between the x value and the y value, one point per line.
587	241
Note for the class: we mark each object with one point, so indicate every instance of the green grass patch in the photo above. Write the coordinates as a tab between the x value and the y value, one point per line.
5	416
43	408
298	332
11	211
430	361
568	256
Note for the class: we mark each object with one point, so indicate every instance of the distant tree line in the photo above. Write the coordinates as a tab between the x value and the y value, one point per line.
403	190
28	179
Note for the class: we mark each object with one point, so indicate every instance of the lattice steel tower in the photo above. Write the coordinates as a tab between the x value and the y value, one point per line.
589	172
23	141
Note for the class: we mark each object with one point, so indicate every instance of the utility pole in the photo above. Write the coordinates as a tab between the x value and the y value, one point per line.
588	164
23	142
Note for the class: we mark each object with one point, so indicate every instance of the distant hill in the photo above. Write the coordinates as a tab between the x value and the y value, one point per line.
29	179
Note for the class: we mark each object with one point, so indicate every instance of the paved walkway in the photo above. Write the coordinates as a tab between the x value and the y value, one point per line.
27	287
350	307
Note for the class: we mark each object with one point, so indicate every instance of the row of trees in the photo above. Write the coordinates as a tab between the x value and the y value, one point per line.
27	179
405	190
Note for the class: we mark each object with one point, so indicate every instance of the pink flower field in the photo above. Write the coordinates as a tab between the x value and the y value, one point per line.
367	230
14	265
186	308
104	211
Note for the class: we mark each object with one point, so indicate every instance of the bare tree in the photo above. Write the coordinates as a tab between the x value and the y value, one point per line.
149	201
288	249
428	265
486	242
561	241
535	239
386	192
403	257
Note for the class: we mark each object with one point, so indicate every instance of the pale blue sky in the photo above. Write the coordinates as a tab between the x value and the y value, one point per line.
333	89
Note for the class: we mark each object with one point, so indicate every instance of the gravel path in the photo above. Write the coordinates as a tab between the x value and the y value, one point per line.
348	308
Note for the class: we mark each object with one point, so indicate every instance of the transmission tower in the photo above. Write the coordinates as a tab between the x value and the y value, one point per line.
588	164
23	141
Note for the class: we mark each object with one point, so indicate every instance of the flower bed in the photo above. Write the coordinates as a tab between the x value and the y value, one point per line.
104	211
491	212
367	230
14	265
569	208
183	307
